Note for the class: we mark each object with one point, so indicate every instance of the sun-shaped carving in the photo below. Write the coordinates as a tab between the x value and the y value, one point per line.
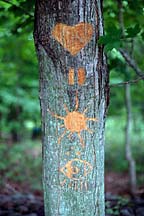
74	122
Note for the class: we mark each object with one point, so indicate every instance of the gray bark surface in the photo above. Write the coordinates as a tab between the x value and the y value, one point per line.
81	193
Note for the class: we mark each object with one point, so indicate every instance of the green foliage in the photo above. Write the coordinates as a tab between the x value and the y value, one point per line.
112	211
133	31
19	77
21	163
115	143
19	13
111	39
133	21
115	38
115	209
23	95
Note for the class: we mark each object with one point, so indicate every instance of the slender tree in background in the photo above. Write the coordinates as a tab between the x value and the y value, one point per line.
73	97
128	105
128	150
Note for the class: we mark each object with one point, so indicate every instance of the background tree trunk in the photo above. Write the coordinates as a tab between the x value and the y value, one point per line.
73	161
128	151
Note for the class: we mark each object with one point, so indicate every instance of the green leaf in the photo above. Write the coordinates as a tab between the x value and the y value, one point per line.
142	35
104	39
133	31
110	46
113	36
16	10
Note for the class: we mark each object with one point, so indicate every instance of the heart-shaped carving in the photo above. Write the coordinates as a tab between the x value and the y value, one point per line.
73	38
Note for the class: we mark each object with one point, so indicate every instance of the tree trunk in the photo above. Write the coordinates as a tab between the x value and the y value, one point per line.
132	169
128	152
73	98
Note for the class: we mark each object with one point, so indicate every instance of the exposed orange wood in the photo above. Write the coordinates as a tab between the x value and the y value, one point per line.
78	153
71	76
81	76
74	122
73	38
76	169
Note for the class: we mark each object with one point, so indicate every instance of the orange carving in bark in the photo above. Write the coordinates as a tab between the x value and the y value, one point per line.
71	76
81	76
74	122
76	169
78	153
73	38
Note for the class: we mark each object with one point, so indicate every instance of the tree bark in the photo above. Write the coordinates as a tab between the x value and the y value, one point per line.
74	99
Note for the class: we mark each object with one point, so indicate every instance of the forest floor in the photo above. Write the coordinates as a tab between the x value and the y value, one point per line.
18	200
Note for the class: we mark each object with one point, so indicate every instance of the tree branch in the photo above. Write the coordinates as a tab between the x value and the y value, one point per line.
120	16
131	62
125	83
